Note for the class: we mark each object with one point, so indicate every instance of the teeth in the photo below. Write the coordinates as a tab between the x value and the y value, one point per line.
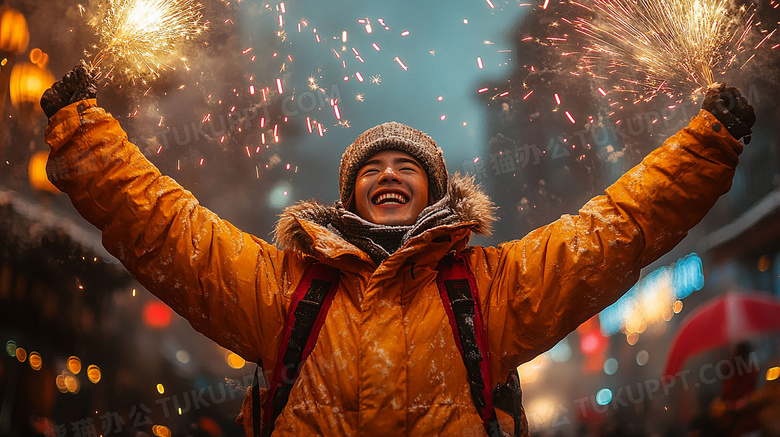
390	197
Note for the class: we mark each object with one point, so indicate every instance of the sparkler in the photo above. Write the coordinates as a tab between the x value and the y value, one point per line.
145	32
654	45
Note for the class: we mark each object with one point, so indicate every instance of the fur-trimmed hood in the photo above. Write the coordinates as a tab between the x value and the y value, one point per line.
468	203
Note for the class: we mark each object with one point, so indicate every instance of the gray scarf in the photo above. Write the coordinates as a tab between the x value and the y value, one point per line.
380	241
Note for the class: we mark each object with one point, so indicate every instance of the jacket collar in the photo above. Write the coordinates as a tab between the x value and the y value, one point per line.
304	227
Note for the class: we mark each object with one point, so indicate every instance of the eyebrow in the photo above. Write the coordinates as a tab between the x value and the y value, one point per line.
395	161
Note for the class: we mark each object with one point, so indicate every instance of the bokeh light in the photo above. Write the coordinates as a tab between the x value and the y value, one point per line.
161	431
642	357
561	352
235	361
36	362
60	382
27	84
94	374
604	396
772	373
14	34
279	197
183	356
10	348
610	366
157	315
21	354
72	384
36	172
74	365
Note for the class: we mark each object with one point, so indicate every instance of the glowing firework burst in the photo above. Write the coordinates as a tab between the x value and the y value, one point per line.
653	45
144	33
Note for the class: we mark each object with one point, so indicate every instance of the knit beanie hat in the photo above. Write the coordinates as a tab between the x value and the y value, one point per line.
393	136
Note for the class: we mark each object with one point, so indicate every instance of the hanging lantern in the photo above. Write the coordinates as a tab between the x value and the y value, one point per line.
28	82
14	35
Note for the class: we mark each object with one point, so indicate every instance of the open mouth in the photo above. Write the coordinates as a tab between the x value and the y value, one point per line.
390	198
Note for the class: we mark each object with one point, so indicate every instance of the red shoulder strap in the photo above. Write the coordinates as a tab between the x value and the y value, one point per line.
458	290
306	314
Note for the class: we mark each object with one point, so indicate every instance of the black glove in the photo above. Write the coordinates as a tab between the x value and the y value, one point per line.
77	84
731	109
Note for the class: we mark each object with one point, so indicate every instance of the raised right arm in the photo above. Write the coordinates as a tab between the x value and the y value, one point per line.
228	284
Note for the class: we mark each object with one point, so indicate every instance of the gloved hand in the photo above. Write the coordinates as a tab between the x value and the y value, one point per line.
731	109
77	84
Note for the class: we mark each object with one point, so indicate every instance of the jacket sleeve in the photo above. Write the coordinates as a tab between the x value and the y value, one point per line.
226	283
538	289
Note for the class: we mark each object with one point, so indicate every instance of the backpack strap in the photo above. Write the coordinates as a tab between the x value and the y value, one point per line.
306	314
457	286
458	290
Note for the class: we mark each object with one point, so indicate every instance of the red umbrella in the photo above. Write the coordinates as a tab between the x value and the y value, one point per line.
725	320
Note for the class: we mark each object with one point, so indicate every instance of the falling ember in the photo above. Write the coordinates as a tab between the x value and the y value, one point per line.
279	86
344	36
546	2
602	92
765	38
528	95
571	119
443	117
482	90
375	46
557	99
479	62
337	112
398	60
490	3
359	76
405	33
251	90
144	33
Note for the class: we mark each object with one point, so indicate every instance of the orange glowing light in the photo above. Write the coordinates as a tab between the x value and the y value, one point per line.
93	373
35	361
14	34
27	84
36	172
74	365
21	354
235	361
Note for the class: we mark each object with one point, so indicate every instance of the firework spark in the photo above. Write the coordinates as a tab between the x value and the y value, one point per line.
144	33
654	45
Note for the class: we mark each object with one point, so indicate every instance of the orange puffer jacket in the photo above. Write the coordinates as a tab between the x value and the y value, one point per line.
385	362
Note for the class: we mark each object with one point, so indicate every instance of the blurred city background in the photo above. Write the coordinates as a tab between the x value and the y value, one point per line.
255	116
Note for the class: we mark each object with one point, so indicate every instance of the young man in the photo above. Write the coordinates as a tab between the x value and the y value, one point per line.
386	361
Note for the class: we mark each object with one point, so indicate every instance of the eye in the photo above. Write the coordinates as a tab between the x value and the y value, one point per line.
368	171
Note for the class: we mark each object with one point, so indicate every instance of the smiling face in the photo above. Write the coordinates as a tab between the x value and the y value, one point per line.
391	189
